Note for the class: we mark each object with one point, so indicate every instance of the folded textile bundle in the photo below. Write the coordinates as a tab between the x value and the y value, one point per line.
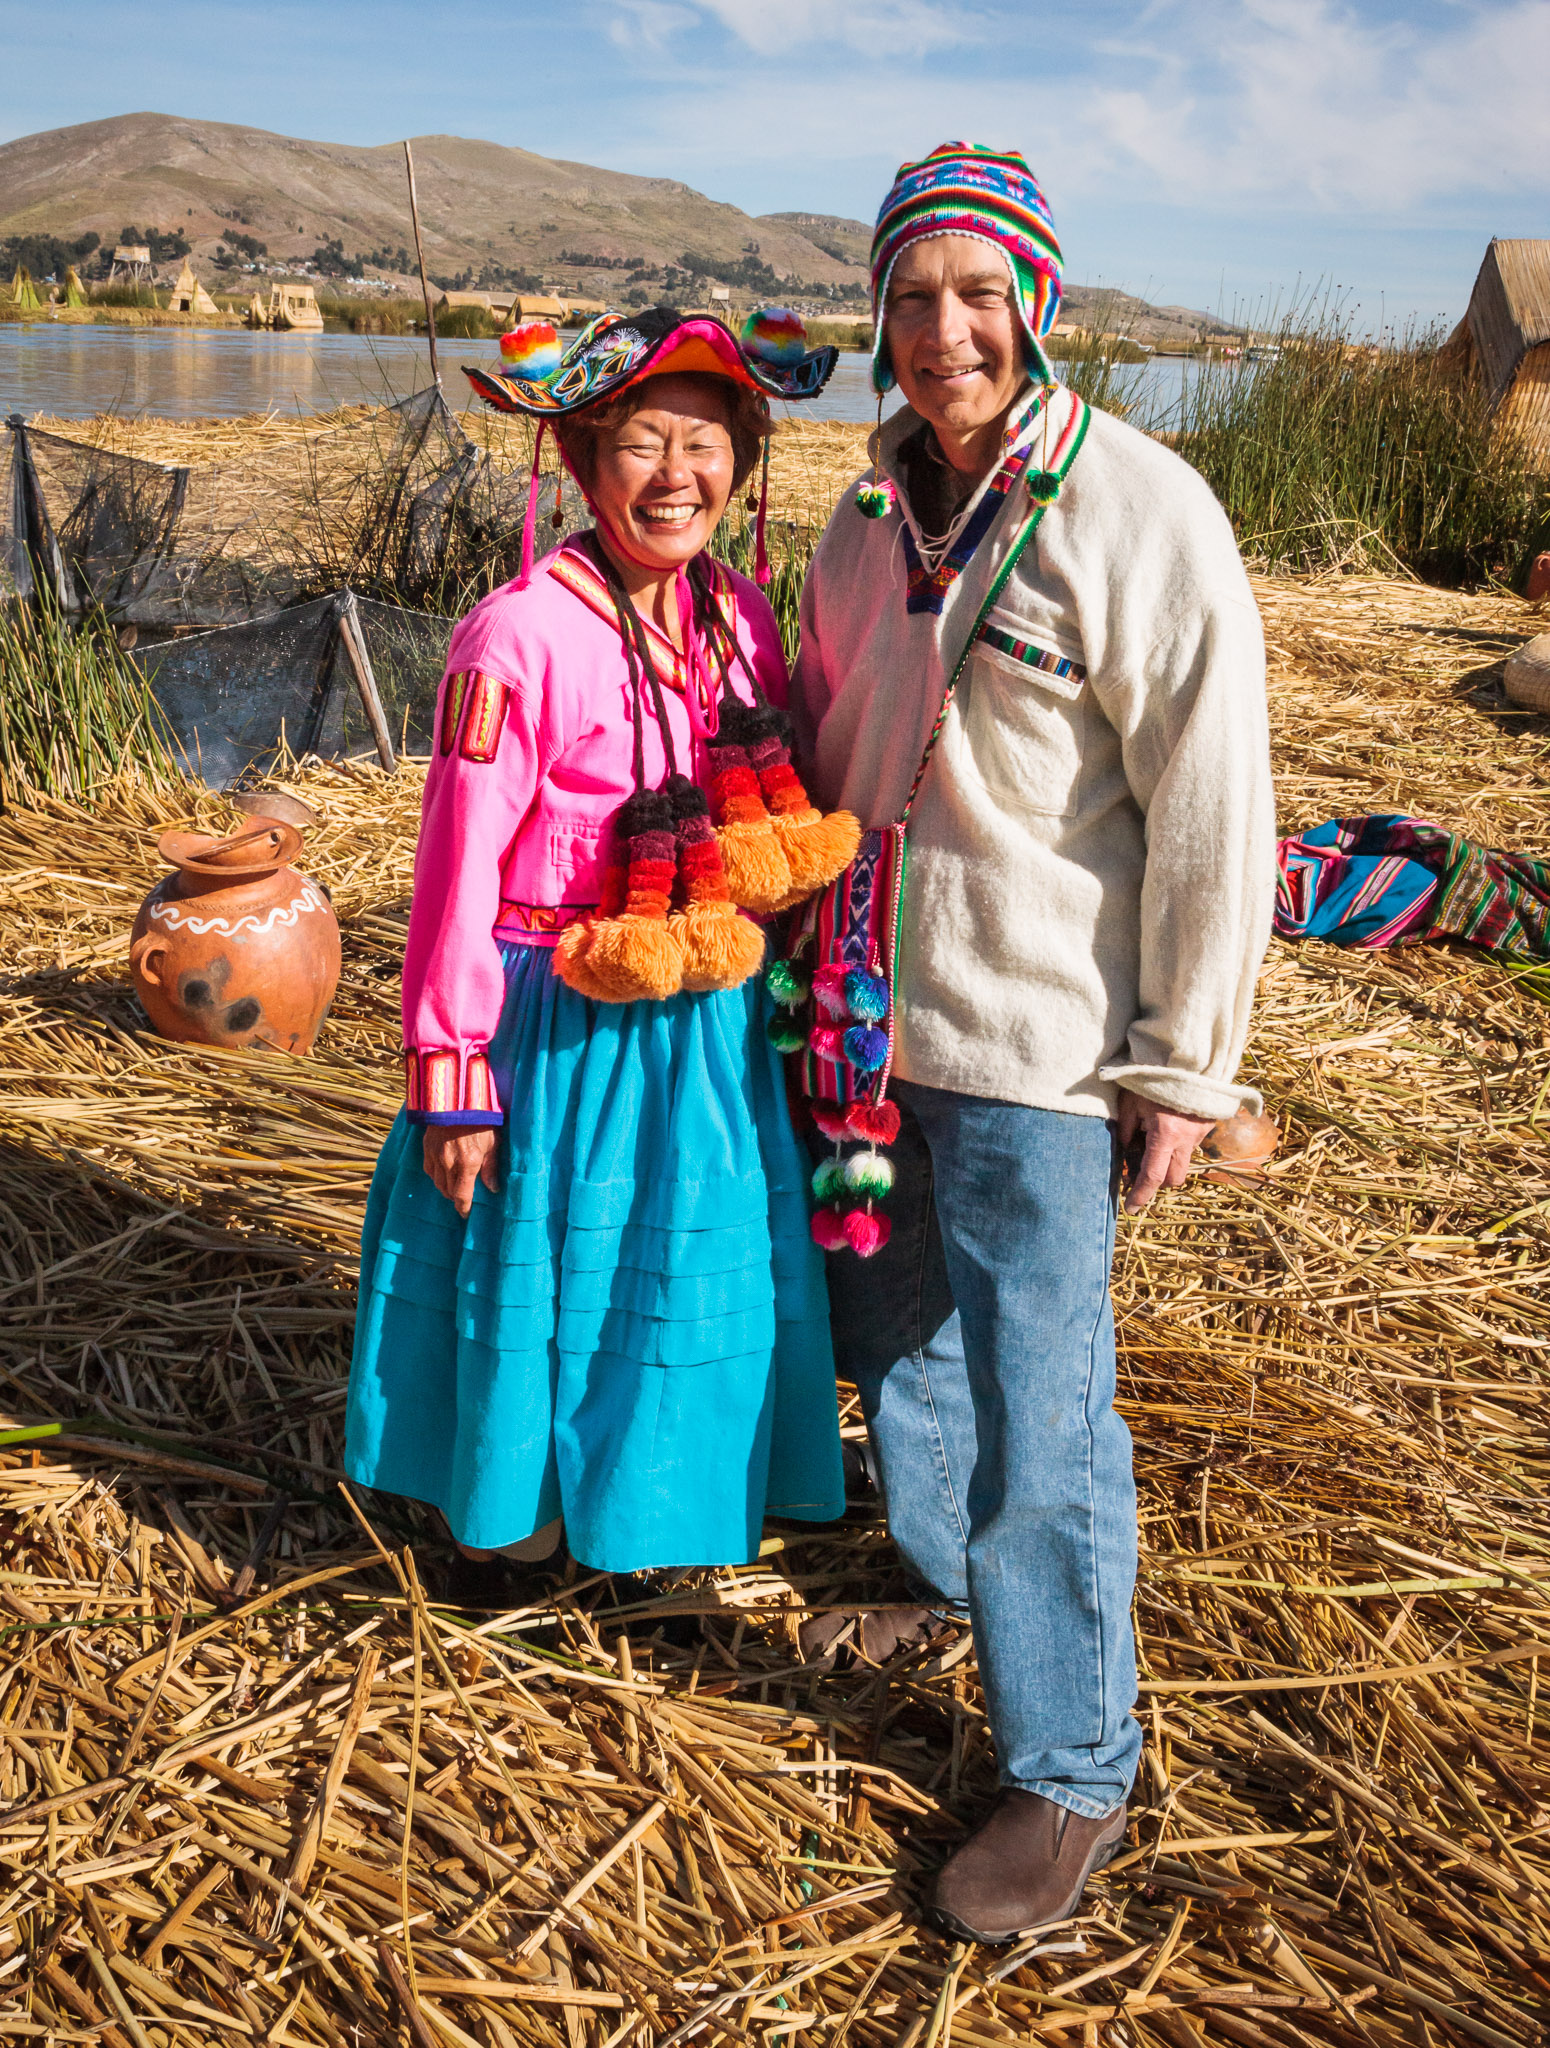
1392	881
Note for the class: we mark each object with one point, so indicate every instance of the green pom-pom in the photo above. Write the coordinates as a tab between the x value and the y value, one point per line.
785	1034
1043	486
788	984
829	1179
875	500
867	1173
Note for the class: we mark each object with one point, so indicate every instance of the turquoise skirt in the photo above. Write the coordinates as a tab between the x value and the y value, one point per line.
634	1333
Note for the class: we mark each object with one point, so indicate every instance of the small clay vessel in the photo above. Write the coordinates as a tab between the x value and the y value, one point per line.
236	948
1242	1140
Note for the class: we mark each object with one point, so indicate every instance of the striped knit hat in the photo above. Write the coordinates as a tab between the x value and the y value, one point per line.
964	189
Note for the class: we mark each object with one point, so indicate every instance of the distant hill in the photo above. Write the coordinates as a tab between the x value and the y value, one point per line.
490	215
482	207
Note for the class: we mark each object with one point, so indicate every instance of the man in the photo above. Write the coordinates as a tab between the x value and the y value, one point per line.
1089	893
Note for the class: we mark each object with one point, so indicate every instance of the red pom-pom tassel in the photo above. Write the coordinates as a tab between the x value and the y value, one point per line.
876	1123
866	1232
829	1231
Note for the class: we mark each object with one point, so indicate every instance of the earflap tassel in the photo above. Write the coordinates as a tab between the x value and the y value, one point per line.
720	948
634	956
757	870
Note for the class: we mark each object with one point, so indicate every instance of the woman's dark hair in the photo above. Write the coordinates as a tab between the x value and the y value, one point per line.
747	418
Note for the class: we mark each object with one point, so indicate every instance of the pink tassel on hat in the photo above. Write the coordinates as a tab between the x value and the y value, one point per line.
530	516
762	571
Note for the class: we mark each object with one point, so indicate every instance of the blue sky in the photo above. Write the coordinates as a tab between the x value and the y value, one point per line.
1215	153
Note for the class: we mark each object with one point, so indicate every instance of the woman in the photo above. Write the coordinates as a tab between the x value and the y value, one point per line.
590	1306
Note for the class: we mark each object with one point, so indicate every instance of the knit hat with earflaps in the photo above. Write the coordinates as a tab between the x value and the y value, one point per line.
962	188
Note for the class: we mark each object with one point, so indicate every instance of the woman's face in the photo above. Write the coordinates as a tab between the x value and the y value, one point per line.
662	478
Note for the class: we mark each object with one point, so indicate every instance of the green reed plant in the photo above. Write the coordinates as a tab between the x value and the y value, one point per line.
790	549
1332	455
75	712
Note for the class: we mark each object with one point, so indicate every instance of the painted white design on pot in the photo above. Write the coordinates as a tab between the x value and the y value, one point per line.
281	913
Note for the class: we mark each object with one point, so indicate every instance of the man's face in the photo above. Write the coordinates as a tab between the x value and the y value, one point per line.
954	337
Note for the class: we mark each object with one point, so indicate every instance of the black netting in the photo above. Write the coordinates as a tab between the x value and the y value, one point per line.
232	696
401	504
408	652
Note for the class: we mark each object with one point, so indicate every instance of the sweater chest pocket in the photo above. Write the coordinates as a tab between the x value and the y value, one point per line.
1024	725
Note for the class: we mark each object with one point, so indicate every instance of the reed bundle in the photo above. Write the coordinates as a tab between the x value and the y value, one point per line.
257	1784
198	441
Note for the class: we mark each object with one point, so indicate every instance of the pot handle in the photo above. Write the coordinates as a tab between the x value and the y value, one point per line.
146	955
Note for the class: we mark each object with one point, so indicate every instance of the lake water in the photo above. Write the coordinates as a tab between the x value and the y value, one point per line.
219	373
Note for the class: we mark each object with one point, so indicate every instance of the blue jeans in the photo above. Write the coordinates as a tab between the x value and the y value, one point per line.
982	1342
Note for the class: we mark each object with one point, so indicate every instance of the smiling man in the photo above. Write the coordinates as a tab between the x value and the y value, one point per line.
1090	882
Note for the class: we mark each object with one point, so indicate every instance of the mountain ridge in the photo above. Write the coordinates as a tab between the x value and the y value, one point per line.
485	208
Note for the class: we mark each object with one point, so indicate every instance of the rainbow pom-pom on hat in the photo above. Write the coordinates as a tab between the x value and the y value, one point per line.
775	335
531	351
963	188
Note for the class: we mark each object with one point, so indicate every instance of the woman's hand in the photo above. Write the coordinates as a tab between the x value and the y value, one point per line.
456	1158
1171	1142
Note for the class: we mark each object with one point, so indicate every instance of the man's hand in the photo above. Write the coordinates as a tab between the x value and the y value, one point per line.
1170	1143
456	1158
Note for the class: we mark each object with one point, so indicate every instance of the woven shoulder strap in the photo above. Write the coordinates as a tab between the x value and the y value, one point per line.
1047	482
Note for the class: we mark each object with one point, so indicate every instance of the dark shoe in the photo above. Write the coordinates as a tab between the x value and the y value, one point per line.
501	1585
1024	1868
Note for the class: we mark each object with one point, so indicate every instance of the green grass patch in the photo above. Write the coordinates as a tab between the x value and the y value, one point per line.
75	712
1333	456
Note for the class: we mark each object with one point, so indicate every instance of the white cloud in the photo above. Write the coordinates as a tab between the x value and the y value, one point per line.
1232	105
648	24
1303	102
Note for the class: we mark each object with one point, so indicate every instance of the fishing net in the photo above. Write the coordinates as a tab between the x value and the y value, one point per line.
232	696
399	503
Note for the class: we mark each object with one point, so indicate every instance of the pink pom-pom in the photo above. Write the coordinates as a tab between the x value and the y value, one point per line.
830	1232
828	1041
877	1123
829	990
865	1232
833	1119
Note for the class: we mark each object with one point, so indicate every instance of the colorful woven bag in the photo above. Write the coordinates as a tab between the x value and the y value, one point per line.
836	986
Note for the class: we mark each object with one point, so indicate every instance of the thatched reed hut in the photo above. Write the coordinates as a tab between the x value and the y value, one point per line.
1505	336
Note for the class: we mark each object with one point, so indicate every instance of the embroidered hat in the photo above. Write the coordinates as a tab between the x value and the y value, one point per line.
617	349
962	188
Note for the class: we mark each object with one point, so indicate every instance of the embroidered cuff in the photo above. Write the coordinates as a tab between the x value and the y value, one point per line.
446	1087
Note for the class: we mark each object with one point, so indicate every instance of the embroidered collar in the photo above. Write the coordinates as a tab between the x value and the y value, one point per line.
927	588
574	567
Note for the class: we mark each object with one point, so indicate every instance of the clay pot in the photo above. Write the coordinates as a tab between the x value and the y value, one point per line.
1528	674
1243	1140
236	948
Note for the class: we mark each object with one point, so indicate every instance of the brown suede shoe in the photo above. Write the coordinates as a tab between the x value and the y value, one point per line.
1023	1868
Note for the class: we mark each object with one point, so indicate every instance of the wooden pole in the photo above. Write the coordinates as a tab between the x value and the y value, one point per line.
425	289
365	680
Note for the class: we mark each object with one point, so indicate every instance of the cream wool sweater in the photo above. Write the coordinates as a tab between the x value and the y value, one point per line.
1091	863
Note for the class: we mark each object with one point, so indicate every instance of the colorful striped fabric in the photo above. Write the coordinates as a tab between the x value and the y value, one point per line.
962	188
1390	880
1031	656
926	589
852	924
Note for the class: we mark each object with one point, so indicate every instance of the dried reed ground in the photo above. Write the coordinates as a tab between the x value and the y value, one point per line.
292	1801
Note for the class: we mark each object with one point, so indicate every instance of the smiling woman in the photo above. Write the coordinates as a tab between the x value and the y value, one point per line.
589	1296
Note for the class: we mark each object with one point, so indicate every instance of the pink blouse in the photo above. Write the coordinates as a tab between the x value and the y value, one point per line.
534	750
